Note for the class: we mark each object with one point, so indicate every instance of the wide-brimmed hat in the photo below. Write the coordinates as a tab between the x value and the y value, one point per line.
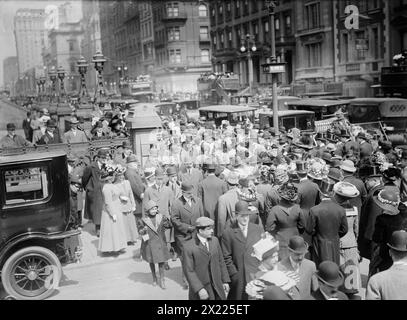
317	169
391	173
336	161
348	166
330	274
233	179
297	245
398	241
150	204
326	156
346	189
288	191
361	135
242	207
388	200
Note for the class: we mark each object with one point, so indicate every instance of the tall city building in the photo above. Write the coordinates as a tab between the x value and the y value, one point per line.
181	44
241	38
146	37
10	71
64	42
92	41
29	32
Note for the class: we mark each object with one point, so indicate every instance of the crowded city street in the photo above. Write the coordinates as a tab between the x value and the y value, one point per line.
209	150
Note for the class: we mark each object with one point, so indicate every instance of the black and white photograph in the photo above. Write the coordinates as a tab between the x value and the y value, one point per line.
223	151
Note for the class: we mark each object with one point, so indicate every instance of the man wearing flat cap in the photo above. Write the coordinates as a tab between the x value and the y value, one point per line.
203	264
92	184
51	134
13	140
237	246
391	284
184	212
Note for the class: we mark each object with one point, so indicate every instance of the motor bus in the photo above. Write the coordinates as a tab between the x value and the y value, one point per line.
233	114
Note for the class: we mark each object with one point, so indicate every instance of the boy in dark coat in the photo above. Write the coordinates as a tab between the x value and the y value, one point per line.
203	264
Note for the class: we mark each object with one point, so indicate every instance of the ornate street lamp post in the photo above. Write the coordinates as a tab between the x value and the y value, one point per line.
53	77
61	76
39	87
248	44
122	69
42	82
82	68
99	61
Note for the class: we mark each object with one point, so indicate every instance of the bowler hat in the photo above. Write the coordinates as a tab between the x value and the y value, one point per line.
187	187
242	207
297	245
51	123
11	126
388	200
171	171
244	182
150	204
398	241
327	157
131	158
211	167
335	174
203	222
329	273
126	145
103	152
361	135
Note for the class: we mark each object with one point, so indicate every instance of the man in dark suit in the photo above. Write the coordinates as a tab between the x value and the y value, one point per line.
365	148
209	190
296	262
51	134
190	174
203	264
327	224
184	212
136	183
308	195
237	246
330	279
91	183
28	131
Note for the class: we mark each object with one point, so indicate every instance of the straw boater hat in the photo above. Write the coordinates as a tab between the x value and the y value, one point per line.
265	248
348	166
346	189
388	200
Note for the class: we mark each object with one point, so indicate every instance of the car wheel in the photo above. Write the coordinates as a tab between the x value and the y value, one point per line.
32	273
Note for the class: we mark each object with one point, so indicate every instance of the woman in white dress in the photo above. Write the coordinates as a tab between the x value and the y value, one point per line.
112	231
128	206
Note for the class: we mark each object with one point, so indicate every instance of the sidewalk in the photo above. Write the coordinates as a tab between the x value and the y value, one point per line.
92	256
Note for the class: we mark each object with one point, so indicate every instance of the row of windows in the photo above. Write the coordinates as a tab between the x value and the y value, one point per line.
174	34
174	56
221	10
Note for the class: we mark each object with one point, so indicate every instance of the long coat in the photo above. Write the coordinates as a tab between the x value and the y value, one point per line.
308	282
357	201
209	190
388	285
241	265
308	197
226	211
155	249
137	187
205	269
94	198
283	223
183	219
327	223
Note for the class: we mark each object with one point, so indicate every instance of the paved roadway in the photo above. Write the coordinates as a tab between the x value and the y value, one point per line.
11	113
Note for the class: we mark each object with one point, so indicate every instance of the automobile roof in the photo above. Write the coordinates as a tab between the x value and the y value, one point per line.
317	102
228	108
283	113
32	156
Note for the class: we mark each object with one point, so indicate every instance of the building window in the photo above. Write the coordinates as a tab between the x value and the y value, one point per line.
376	44
71	46
237	8
373	4
312	15
173	34
266	26
175	56
205	55
345	48
313	54
214	42
277	24
245	7
222	41
254	6
361	40
230	39
228	9
203	33
203	10
172	9
287	24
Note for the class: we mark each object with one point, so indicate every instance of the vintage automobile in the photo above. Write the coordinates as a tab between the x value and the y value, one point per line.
36	234
323	108
233	114
190	107
301	119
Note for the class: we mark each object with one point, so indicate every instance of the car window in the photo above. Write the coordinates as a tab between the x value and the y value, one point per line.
26	185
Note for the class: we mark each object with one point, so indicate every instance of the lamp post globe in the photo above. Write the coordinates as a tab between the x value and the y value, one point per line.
99	60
